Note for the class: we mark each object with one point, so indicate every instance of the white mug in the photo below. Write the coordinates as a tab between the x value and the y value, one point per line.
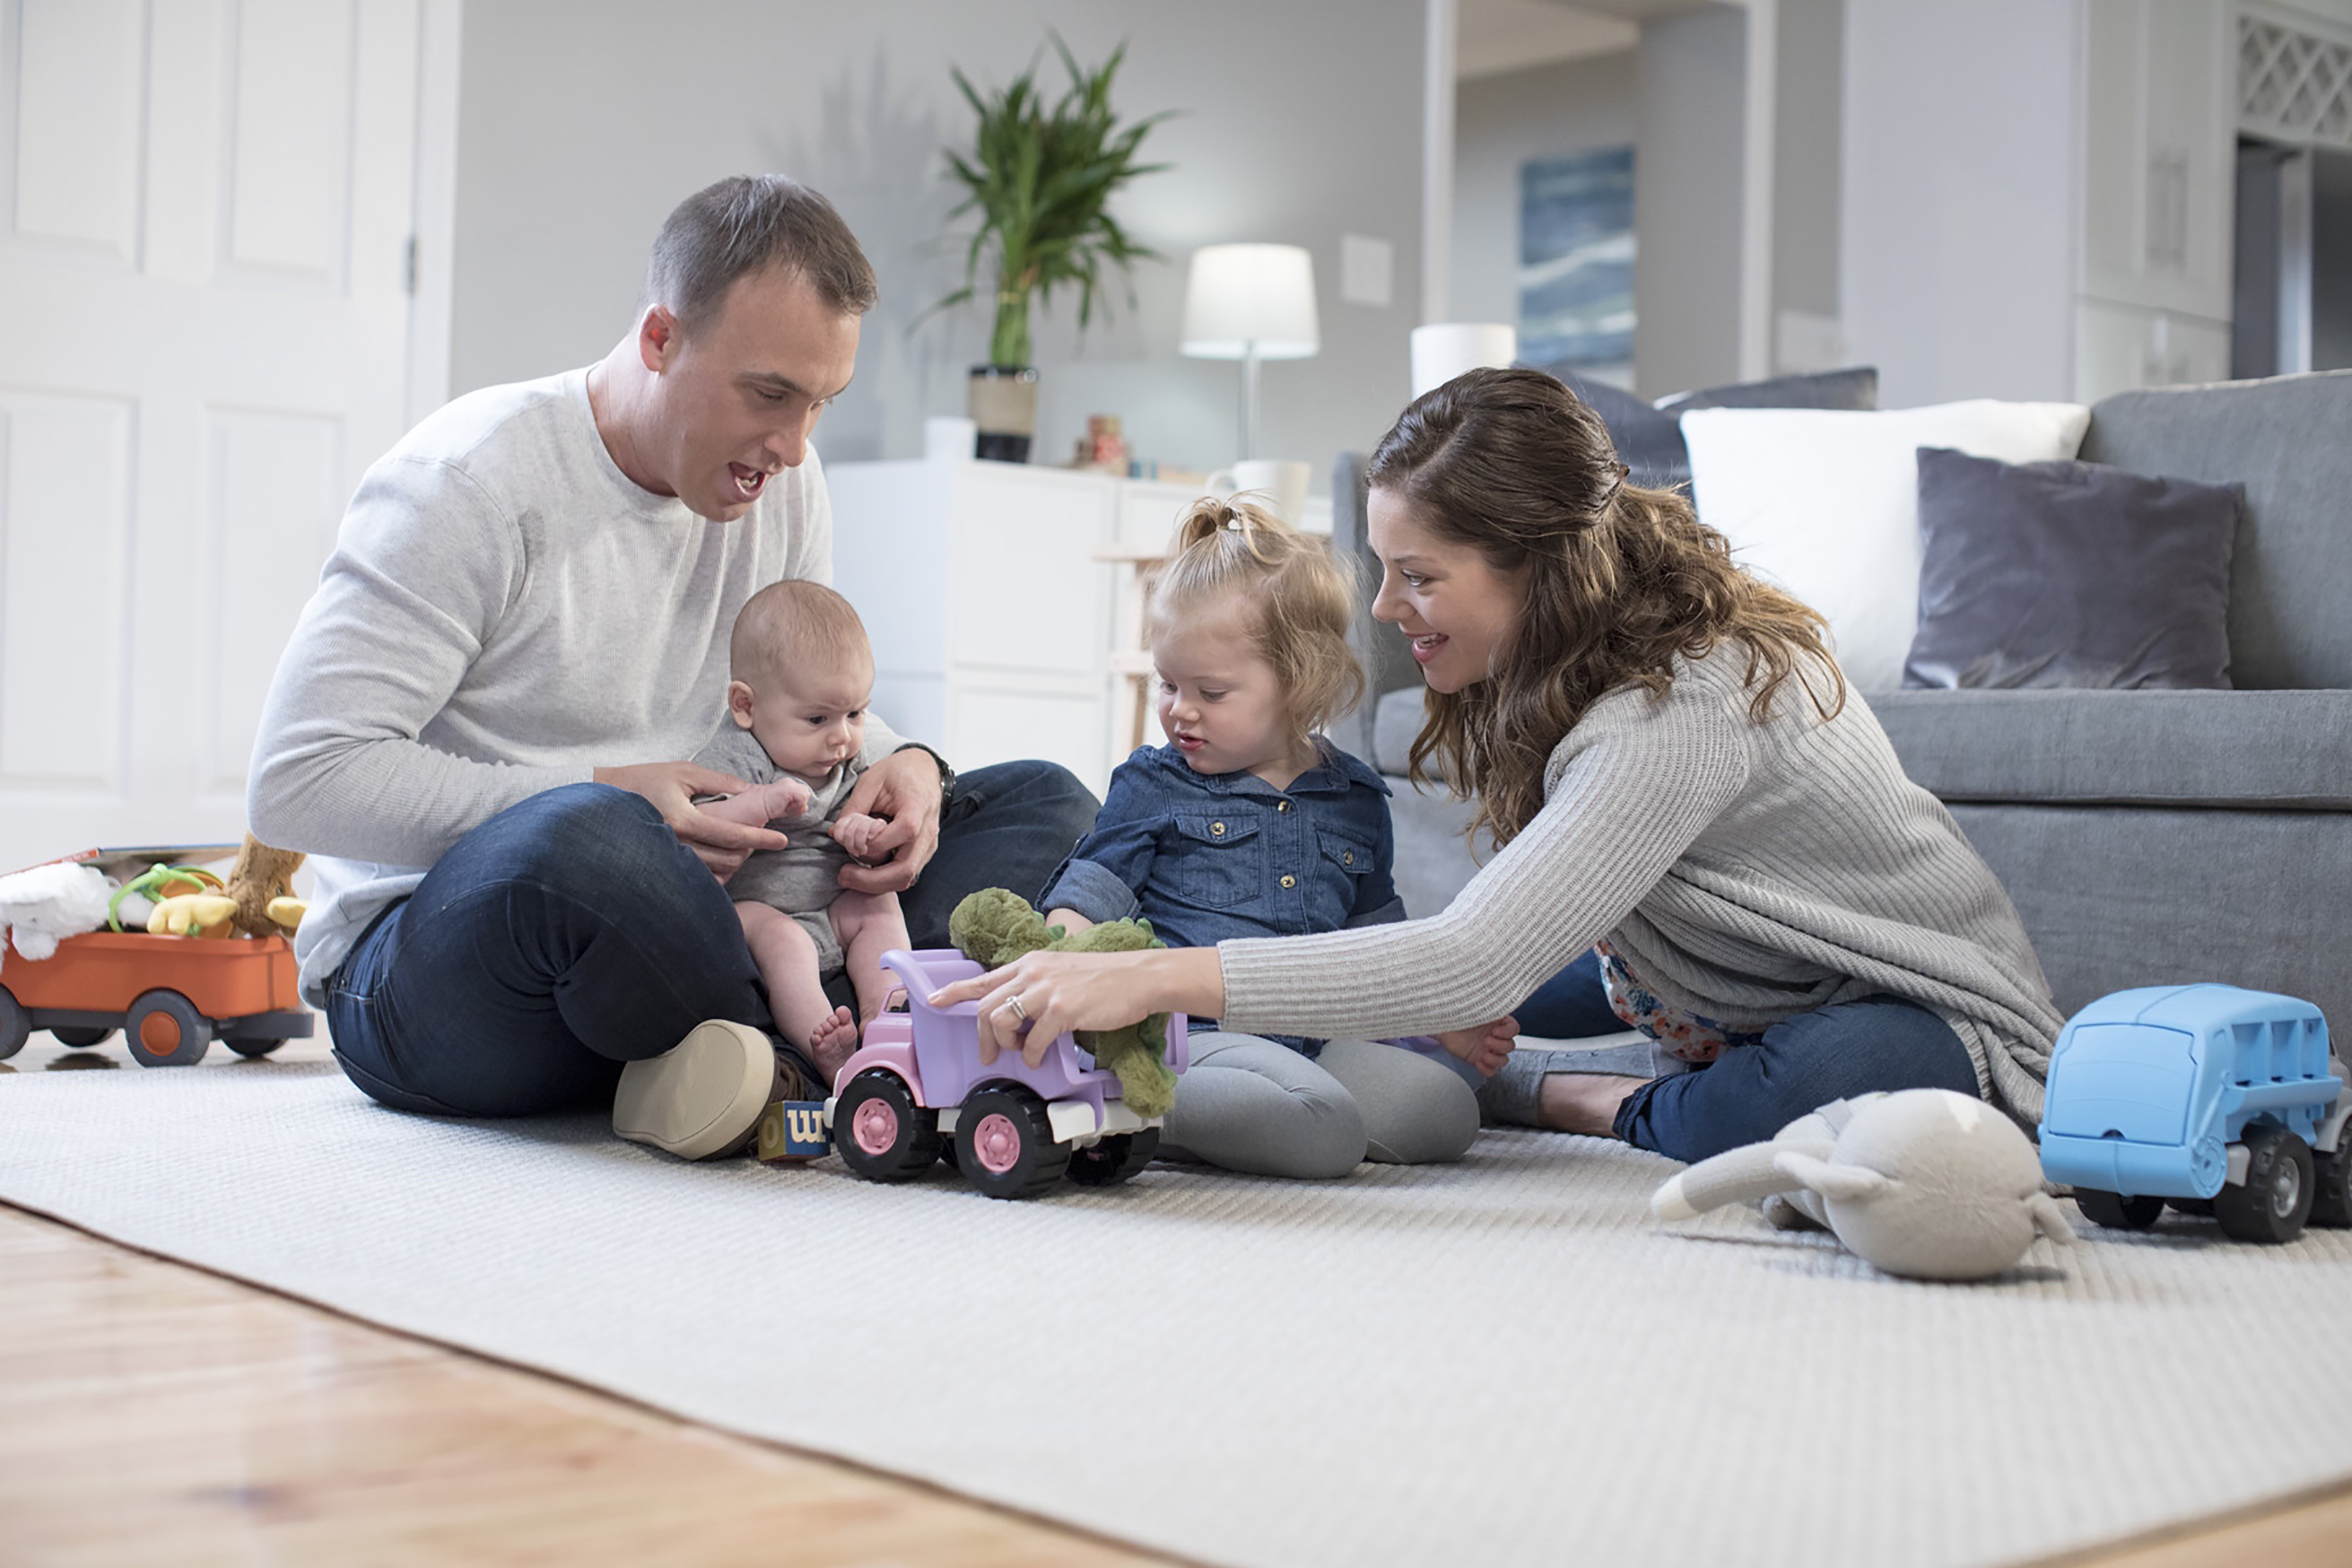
949	438
1280	483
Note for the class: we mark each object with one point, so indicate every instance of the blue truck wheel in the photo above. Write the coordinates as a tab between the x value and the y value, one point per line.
2331	1185
2115	1211
2275	1200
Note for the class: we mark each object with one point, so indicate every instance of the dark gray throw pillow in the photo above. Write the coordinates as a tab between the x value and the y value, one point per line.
1648	442
1853	389
1649	439
2070	575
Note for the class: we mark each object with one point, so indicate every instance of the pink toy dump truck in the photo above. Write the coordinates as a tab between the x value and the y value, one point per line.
916	1092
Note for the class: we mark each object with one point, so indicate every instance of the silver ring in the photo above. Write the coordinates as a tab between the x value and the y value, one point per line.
1018	1010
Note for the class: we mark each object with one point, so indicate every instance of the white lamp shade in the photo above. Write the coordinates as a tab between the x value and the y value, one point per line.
1443	349
1240	297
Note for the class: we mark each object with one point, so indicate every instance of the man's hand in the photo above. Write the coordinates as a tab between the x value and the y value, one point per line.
672	786
1485	1047
903	789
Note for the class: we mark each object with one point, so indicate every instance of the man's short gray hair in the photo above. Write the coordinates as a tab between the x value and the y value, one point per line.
751	223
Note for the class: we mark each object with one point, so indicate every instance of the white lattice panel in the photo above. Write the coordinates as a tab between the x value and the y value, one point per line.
2293	83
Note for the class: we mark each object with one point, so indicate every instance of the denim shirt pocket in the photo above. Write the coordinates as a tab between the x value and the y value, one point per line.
1346	859
1217	862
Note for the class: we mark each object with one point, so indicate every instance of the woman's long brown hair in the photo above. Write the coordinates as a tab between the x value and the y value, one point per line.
1620	580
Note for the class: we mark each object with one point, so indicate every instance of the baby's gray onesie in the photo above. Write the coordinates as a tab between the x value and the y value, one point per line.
802	879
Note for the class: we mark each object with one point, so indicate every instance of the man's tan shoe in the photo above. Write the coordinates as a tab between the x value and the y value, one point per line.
703	1096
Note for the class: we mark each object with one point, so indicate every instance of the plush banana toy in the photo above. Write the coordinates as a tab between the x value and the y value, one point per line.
193	914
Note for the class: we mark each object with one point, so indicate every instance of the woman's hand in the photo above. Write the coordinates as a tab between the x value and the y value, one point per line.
1064	991
904	788
672	786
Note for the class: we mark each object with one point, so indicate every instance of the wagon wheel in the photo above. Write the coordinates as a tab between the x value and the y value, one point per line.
882	1135
2277	1198
80	1036
15	1024
1004	1143
2115	1211
255	1045
164	1029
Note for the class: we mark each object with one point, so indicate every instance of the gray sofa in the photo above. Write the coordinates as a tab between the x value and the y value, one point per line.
2146	836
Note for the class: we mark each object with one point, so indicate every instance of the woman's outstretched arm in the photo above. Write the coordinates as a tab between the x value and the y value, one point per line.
1062	990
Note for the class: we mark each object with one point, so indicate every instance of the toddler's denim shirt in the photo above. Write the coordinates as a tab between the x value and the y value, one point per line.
1204	856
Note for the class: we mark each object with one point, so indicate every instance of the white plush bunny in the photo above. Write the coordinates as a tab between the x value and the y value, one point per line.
1922	1182
40	905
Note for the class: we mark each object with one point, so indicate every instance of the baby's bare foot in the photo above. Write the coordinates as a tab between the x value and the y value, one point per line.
834	1043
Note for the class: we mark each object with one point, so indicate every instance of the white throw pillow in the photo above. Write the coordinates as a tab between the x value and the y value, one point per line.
1825	502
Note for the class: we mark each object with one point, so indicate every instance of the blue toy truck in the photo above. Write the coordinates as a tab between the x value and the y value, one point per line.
2205	1097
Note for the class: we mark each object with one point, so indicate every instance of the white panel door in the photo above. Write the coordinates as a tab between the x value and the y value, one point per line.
205	218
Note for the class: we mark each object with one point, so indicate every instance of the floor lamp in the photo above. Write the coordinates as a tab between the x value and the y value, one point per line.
1250	302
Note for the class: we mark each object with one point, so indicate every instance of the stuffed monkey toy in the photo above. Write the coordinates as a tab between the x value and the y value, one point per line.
262	883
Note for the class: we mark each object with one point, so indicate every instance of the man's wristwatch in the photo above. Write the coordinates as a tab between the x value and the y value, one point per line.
946	773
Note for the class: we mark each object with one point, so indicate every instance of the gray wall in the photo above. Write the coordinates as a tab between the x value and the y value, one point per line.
1691	84
1500	122
583	122
1957	260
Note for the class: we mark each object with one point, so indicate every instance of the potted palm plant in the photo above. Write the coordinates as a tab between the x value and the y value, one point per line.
1041	177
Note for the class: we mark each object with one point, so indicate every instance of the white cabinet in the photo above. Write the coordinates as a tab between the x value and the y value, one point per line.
991	611
2118	347
2159	155
2158	168
995	612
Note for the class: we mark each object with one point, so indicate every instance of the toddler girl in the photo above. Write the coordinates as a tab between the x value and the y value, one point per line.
1248	823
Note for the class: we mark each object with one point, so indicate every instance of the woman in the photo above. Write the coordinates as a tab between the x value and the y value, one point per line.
1690	810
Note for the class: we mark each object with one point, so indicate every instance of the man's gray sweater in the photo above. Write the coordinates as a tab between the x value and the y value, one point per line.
505	611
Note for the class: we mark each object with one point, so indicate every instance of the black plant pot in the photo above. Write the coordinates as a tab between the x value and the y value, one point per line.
1003	401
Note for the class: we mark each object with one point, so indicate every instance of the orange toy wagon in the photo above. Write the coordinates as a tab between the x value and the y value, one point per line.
171	995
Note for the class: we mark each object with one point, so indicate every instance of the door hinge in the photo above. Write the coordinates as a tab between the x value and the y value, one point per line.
409	268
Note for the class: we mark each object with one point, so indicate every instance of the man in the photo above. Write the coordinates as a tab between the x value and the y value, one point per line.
476	728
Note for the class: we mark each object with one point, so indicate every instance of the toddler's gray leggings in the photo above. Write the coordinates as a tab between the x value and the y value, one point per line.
1249	1104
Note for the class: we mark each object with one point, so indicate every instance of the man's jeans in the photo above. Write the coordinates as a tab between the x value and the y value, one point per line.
1750	1092
574	933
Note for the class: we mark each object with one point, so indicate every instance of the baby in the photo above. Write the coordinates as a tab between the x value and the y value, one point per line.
800	674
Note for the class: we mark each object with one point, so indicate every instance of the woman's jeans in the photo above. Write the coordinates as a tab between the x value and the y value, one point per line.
1750	1092
574	933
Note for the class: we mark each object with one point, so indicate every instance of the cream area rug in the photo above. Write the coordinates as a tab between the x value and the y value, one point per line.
1503	1361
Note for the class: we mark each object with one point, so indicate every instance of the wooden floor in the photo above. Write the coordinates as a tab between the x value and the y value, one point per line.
150	1413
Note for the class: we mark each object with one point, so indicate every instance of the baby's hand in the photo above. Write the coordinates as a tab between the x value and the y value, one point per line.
1484	1047
763	803
857	832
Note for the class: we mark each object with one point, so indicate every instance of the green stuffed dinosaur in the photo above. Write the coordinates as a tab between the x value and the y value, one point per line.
994	926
